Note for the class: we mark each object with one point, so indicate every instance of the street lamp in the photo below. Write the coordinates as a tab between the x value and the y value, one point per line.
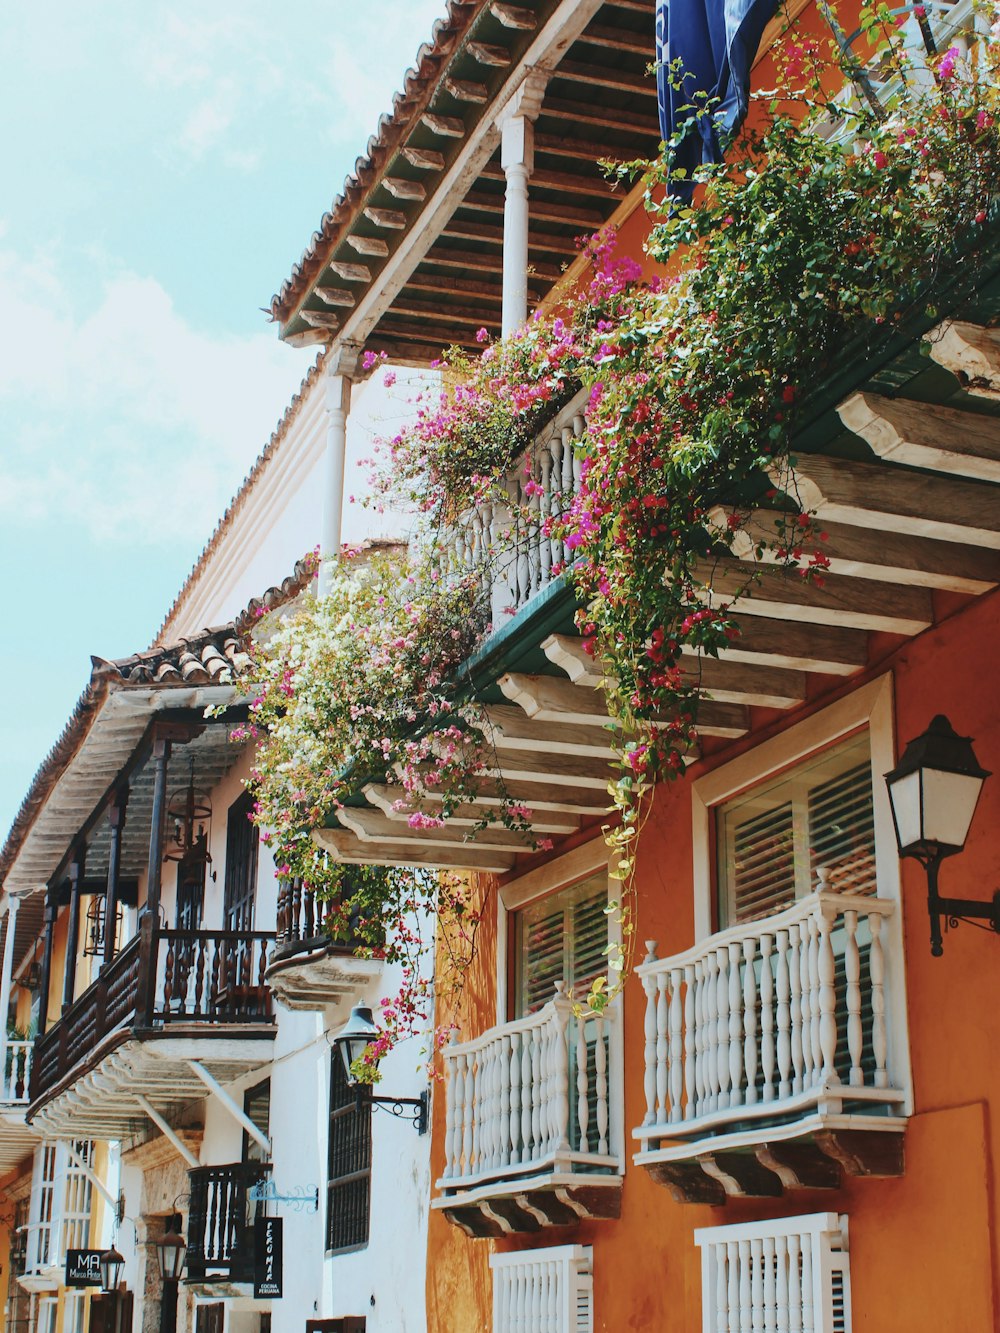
170	1251
934	791
111	1270
352	1041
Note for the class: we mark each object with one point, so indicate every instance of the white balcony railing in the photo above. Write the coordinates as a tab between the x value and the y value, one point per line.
531	1096
17	1072
768	1018
514	522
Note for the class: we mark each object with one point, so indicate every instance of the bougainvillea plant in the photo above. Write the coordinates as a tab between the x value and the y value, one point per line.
829	222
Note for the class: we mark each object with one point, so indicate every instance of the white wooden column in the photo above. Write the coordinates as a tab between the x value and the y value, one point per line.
517	157
5	976
340	370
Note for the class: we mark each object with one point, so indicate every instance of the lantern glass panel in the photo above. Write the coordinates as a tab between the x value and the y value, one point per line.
907	809
949	802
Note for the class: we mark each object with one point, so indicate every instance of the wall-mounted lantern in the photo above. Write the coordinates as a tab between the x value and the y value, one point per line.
352	1041
934	791
112	1264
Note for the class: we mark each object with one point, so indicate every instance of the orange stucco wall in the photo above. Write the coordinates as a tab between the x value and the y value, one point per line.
925	1250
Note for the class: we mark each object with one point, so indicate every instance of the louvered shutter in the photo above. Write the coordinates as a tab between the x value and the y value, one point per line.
811	828
563	937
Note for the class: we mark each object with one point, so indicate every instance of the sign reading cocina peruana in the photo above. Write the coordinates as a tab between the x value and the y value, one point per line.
267	1267
83	1268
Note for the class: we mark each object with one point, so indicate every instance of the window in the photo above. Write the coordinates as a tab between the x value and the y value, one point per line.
791	1272
209	1318
550	1290
349	1164
73	1312
562	937
257	1106
241	866
76	1210
809	829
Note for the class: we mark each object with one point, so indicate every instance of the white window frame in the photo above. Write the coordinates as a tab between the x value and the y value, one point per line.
871	706
826	1237
574	1279
562	873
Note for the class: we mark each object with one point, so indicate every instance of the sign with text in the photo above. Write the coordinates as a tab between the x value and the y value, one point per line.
83	1268
267	1268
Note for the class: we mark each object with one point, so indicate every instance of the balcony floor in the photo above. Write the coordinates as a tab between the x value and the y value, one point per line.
100	1100
313	977
17	1138
527	1204
765	1161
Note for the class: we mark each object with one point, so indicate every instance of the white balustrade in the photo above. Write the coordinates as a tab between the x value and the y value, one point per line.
514	525
530	1095
17	1072
770	1016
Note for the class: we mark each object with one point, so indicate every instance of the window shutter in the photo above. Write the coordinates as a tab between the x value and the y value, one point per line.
349	1163
563	937
763	873
842	831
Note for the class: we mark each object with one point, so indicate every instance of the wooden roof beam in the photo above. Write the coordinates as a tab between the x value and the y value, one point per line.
877	496
539	795
541	178
775	591
829	649
348	849
551	699
398	806
925	435
725	681
620	39
888	557
971	352
512	729
603	76
372	825
542	210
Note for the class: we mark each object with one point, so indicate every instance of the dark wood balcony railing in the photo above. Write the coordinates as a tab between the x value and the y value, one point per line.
220	1221
301	921
161	977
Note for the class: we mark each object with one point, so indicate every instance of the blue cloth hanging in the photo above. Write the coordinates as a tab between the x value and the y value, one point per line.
716	42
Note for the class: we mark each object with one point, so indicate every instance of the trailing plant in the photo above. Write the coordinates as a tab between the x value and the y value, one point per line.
800	242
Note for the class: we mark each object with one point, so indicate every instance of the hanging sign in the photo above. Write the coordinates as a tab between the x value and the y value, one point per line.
83	1268
268	1256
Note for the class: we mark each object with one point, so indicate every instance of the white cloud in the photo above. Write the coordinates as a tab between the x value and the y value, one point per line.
126	420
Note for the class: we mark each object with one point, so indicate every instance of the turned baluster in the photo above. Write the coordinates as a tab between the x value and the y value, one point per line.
506	1097
784	1023
527	1097
453	1096
815	1014
827	993
700	1024
649	1033
168	976
735	1027
554	499
281	918
601	1079
722	1027
476	1110
768	1263
310	928
795	1007
805	1004
561	1070
538	544
514	1104
876	967
676	1048
689	1043
582	1083
662	1046
468	1114
750	1020
579	429
767	1054
711	1033
537	1120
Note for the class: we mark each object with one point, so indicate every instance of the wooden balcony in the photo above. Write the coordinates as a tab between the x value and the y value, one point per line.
531	1136
220	1222
169	999
308	969
17	1139
771	1059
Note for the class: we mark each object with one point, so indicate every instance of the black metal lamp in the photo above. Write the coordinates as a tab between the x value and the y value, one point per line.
112	1264
170	1251
352	1041
934	791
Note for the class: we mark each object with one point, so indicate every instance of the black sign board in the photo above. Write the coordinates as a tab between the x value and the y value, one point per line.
83	1268
267	1268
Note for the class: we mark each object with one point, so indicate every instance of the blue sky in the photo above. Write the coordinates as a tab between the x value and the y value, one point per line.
162	166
